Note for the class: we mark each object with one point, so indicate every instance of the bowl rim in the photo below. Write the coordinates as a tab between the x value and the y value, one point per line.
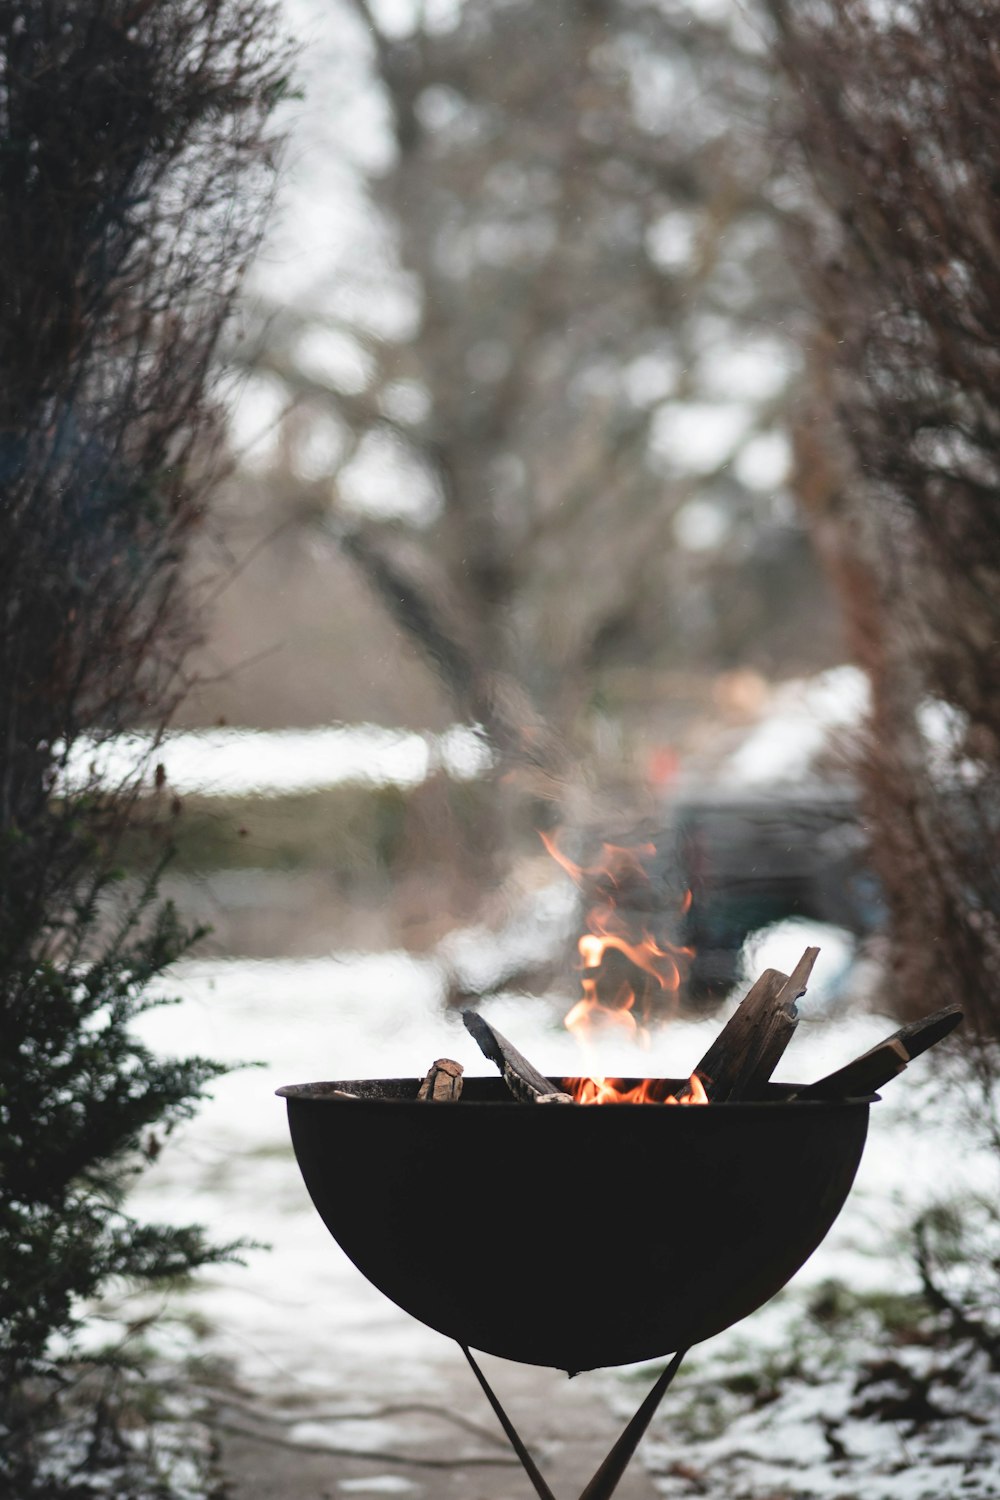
330	1092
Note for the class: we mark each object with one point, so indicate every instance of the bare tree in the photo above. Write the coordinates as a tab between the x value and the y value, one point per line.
896	109
580	205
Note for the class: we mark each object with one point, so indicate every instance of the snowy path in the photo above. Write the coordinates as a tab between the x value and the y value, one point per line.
298	1318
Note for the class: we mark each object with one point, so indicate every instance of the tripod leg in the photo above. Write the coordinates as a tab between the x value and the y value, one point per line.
528	1463
605	1481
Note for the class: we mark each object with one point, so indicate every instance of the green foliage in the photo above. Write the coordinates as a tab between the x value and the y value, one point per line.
840	1311
84	1104
77	1091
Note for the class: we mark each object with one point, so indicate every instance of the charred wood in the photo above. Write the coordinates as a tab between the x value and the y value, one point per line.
776	1030
524	1081
878	1066
746	1052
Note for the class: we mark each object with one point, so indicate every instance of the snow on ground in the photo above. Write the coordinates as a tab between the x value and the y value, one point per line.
796	726
805	717
250	762
801	720
300	1319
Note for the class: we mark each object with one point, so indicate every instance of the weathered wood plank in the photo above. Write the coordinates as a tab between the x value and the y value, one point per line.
524	1081
880	1064
747	1050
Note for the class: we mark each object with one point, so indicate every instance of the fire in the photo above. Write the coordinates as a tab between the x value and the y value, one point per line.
625	970
615	1091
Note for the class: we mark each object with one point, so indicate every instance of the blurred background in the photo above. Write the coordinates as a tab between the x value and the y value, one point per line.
608	534
540	520
514	394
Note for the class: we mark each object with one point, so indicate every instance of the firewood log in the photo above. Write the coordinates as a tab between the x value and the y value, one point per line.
524	1081
873	1069
747	1050
443	1082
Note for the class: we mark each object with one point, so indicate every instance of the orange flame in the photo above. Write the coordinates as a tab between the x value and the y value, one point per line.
614	1091
697	1093
609	998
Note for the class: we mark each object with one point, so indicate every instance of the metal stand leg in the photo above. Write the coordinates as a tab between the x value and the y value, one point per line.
608	1476
605	1481
528	1463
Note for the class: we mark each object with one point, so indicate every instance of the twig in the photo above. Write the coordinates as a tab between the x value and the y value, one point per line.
965	1326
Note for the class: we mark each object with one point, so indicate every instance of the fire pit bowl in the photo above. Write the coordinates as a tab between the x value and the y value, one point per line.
577	1236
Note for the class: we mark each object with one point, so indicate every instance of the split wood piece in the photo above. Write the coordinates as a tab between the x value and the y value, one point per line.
747	1050
877	1067
443	1082
524	1081
778	1028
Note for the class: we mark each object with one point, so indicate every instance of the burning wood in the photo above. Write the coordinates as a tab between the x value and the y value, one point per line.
524	1081
443	1082
748	1049
621	959
739	1063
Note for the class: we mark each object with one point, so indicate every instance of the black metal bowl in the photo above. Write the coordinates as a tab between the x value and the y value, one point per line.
573	1236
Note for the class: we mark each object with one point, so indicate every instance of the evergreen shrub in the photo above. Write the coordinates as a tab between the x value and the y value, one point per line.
136	158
